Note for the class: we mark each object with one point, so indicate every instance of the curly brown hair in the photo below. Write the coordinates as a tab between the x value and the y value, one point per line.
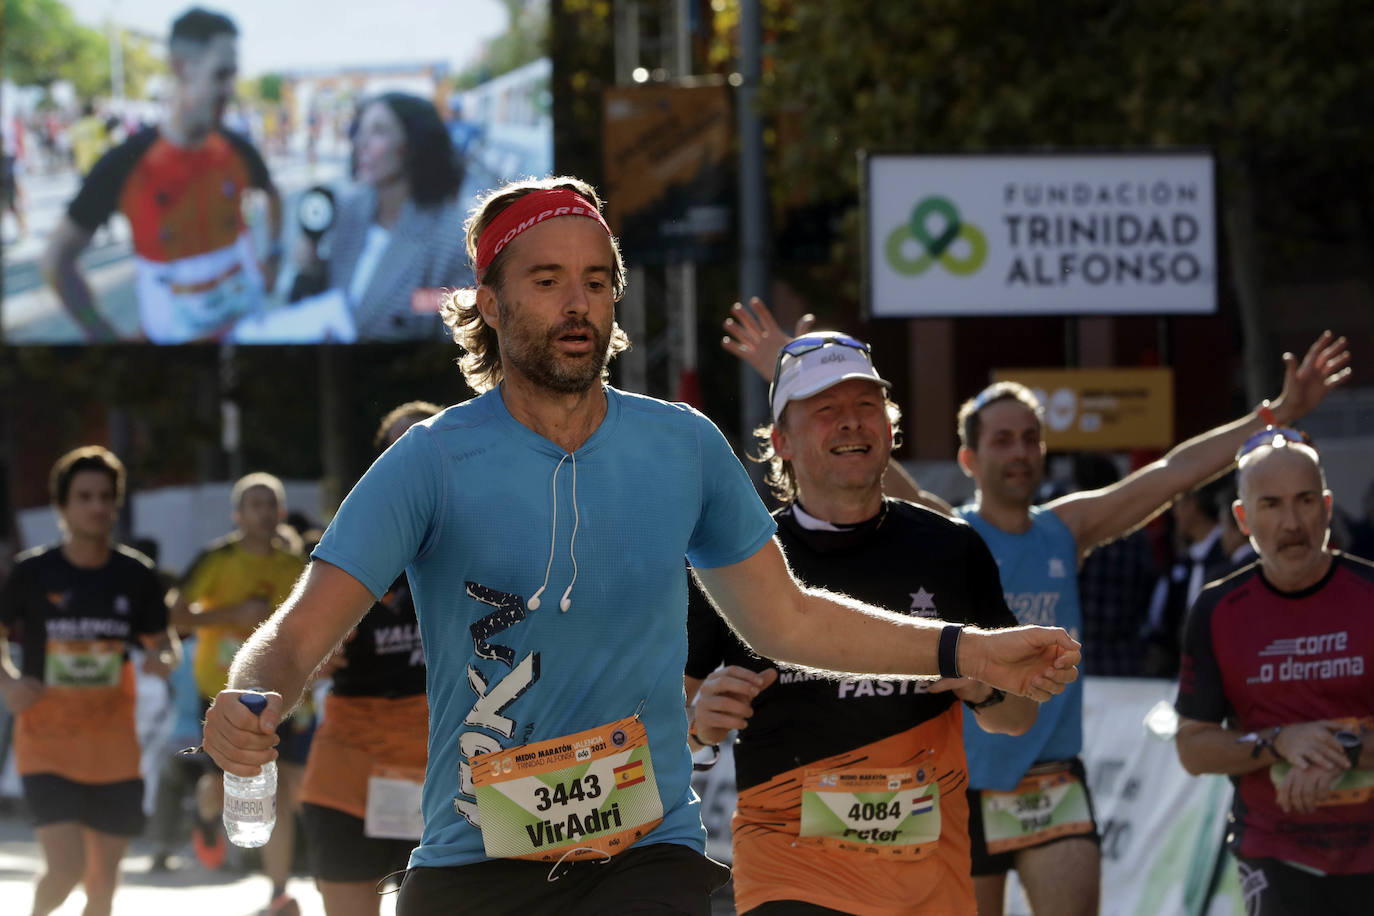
481	359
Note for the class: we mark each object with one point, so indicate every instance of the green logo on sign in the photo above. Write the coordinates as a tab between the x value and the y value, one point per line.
936	246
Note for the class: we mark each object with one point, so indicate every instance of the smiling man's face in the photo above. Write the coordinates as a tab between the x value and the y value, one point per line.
838	440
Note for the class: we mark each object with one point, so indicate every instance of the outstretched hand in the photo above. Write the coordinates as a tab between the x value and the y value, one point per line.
755	336
1034	662
1325	366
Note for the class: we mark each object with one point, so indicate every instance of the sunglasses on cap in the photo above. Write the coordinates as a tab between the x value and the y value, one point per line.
808	343
1271	434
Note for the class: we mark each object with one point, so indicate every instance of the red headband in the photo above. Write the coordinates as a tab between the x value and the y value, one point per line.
528	212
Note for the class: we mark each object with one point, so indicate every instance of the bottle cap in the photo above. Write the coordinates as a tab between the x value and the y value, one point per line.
254	701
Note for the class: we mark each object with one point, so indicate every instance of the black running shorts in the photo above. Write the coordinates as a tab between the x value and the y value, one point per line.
115	808
661	878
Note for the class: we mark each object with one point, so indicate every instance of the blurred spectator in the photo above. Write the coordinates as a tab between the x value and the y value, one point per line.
1199	558
90	138
1362	530
11	190
1114	585
1239	551
169	828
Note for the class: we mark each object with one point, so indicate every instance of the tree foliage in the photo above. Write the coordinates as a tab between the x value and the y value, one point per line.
1279	89
44	44
525	40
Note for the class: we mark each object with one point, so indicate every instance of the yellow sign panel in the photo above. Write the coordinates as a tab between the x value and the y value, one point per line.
1102	408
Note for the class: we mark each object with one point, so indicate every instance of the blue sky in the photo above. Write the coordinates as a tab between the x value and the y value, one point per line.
280	35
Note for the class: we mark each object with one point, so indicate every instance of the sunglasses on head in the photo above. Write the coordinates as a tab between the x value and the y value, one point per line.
1267	436
802	345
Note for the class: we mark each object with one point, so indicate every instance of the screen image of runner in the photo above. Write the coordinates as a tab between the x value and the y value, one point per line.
228	182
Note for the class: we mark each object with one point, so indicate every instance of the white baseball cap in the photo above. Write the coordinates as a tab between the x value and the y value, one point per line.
816	361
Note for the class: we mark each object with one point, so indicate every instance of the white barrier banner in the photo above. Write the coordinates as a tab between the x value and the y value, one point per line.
991	234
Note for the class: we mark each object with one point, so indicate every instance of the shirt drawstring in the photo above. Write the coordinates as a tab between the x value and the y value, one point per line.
566	602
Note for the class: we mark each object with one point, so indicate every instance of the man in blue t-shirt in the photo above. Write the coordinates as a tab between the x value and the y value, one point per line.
1038	548
543	526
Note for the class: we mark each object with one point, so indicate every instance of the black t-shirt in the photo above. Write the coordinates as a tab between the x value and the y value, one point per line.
46	597
385	657
906	559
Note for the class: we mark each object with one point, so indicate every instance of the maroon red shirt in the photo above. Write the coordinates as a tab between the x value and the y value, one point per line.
1255	657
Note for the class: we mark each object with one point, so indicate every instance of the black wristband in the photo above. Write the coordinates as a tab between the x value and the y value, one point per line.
947	658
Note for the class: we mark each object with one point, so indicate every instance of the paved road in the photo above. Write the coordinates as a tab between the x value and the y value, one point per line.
189	890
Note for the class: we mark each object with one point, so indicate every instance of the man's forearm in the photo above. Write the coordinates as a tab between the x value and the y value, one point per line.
268	662
75	294
1220	750
837	633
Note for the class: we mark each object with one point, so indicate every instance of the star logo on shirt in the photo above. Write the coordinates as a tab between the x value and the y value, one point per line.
1057	568
922	603
121	605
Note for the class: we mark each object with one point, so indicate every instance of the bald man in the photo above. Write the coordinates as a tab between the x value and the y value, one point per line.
1277	691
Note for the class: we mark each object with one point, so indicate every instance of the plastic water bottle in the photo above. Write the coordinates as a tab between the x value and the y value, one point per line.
250	802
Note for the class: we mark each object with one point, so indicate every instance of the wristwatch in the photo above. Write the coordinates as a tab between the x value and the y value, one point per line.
1353	744
992	699
1260	743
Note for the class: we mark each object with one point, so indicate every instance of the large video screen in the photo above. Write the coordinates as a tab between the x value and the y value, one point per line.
270	173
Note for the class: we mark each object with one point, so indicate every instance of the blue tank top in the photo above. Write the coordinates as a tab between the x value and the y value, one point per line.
1039	571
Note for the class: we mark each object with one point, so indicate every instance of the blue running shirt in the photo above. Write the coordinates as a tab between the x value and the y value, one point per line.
465	503
1039	571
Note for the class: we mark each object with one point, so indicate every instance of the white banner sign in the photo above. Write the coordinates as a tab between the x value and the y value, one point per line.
974	235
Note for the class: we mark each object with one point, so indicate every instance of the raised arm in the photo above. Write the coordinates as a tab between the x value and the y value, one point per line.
279	659
754	336
1097	516
782	620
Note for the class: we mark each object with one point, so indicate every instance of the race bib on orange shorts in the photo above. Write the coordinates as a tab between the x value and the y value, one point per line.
891	813
393	803
84	663
1046	805
579	796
